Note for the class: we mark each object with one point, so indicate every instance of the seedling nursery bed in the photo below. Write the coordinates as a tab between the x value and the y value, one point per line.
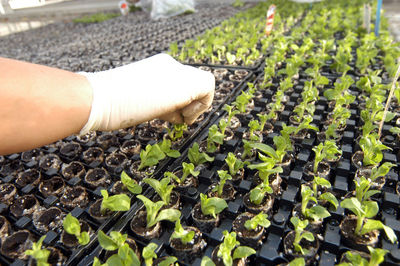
288	167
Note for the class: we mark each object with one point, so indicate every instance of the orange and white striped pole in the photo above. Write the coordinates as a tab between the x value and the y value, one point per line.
270	20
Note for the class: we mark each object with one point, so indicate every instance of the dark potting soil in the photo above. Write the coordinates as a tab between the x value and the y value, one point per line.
177	244
238	226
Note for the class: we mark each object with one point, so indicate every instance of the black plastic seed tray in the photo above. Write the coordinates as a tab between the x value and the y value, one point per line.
50	161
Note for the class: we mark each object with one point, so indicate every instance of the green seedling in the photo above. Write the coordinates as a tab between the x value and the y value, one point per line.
222	124
177	131
155	214
196	157
380	171
330	132
149	254
316	212
165	147
215	138
130	183
297	262
282	143
150	156
162	187
325	151
372	148
304	124
231	112
247	149
212	206
257	194
185	236
263	120
96	18
206	261
40	255
260	219
234	164
365	211
187	170
254	125
286	84
120	202
125	256
363	191
355	259
300	233
72	226
326	196
223	177
242	101
231	250
174	49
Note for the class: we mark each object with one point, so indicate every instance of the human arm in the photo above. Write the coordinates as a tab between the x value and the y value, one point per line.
40	105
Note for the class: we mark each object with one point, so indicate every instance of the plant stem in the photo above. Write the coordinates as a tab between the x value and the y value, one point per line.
360	220
221	187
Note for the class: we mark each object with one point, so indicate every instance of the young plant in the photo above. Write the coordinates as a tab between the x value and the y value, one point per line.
355	259
231	112
316	212
130	183
260	219
177	131
116	241
162	187
154	215
247	149
72	226
303	108
120	202
330	132
372	148
214	137
212	206
304	124
254	125
297	262
300	233
222	124
150	156
263	120
185	236
234	164
365	211
223	177
282	143
187	169
325	151
257	194
231	250
242	101
165	147
196	157
40	255
326	196
149	254
380	171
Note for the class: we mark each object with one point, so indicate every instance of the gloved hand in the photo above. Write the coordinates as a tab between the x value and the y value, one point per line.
156	87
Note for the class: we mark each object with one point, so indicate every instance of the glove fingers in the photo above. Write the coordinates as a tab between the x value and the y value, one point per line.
193	111
174	117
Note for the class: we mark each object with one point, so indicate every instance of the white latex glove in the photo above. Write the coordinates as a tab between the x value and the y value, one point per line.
156	87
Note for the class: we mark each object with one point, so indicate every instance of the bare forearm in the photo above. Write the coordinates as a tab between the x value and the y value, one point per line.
40	105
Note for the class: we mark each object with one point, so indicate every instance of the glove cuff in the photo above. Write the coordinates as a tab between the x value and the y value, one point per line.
98	113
